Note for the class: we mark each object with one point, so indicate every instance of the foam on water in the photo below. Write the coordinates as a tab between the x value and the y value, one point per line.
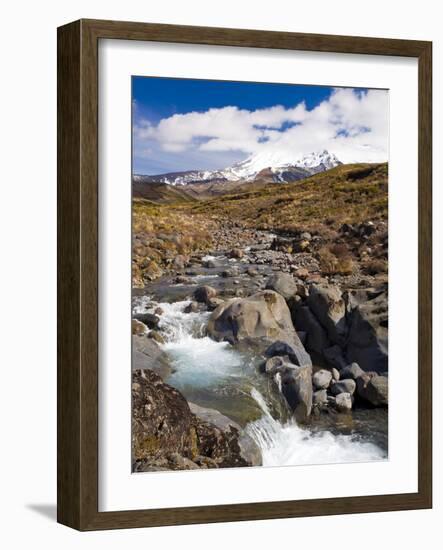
288	444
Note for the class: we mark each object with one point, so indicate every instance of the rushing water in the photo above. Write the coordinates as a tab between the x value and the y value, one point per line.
214	374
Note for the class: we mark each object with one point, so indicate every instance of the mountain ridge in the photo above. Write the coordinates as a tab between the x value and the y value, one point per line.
277	166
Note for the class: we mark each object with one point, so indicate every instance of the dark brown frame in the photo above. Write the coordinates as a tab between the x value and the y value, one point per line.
77	480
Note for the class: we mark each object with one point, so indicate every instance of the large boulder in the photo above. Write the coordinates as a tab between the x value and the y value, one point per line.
166	434
263	316
149	319
368	334
328	305
294	352
283	283
373	389
249	449
296	386
305	321
147	354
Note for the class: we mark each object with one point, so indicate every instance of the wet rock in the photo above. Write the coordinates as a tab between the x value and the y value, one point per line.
231	272
192	307
252	272
213	303
274	364
249	450
138	327
283	283
204	293
158	311
182	280
320	397
149	319
321	379
296	386
156	336
165	431
343	402
343	386
147	354
374	390
210	264
262	315
328	305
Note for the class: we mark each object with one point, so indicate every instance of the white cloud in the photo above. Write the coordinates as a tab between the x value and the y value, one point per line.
352	124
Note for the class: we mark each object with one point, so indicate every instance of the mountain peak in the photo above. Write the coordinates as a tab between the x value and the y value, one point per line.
283	166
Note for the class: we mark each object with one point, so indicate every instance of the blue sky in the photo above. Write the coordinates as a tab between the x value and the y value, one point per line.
184	124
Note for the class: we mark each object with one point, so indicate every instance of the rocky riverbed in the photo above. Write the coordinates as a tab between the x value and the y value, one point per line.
256	354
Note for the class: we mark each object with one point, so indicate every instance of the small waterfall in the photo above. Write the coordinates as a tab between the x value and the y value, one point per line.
289	444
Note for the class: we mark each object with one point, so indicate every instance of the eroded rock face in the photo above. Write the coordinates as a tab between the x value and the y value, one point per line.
328	305
264	315
368	334
166	434
296	386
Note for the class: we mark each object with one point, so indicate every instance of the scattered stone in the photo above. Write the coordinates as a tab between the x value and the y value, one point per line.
352	371
320	397
343	386
204	293
236	253
149	319
321	379
182	280
252	272
374	390
335	374
343	402
180	262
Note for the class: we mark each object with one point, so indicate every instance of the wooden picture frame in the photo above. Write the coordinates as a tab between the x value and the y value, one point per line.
78	274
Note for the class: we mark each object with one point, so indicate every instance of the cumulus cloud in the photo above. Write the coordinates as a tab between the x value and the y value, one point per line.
350	123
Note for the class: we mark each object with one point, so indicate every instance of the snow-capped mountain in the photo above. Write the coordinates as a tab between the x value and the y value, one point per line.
279	166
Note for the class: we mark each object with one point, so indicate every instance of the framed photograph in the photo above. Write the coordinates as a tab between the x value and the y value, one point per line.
244	230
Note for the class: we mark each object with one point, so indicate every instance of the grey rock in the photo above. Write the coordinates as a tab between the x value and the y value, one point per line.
296	386
374	389
328	305
343	402
320	397
352	371
344	386
368	334
283	283
305	320
335	374
148	319
204	293
334	356
321	379
296	353
263	315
